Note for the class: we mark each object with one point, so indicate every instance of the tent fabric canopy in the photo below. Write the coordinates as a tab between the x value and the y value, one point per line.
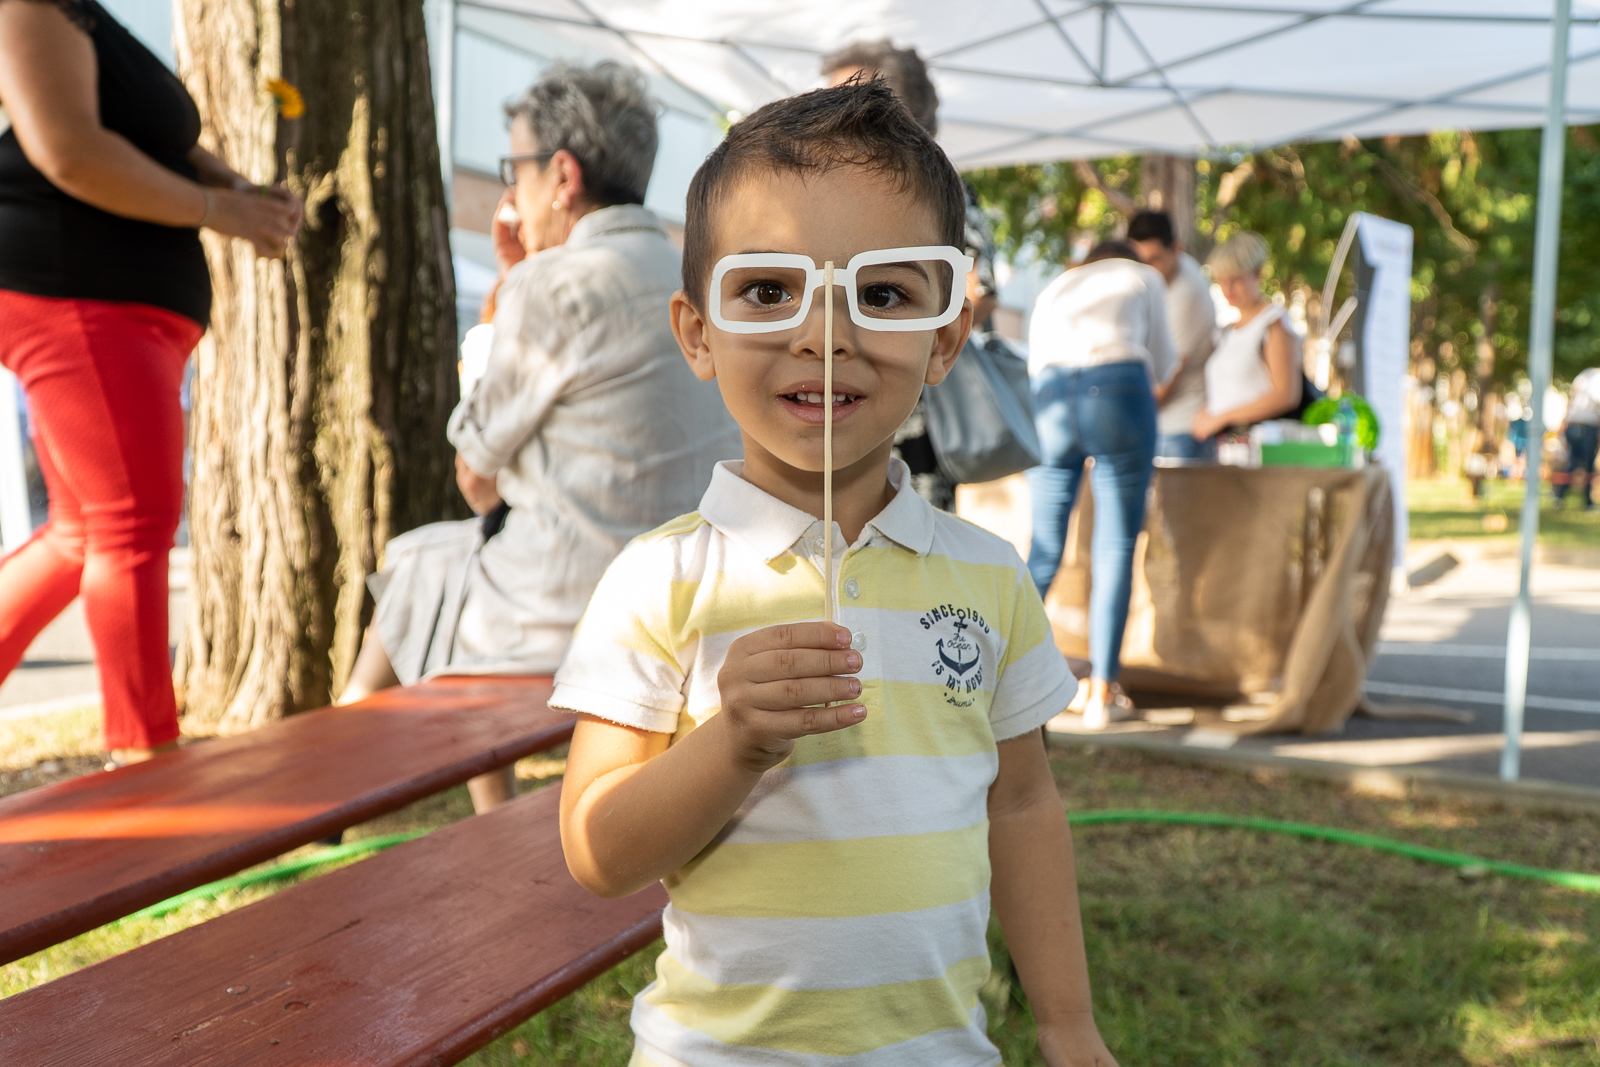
1039	80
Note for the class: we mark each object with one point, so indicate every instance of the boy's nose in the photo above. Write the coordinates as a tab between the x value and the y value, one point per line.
808	336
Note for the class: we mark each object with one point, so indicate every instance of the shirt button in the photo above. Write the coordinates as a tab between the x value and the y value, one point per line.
852	587
858	640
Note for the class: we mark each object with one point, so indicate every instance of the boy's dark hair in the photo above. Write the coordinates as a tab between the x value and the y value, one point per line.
1110	250
902	68
1151	226
858	124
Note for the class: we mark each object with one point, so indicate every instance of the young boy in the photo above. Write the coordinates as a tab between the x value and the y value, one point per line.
831	807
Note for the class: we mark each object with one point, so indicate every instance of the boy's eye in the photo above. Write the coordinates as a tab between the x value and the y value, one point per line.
881	296
767	294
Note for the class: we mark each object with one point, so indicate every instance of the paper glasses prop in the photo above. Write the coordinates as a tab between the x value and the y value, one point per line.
892	289
895	290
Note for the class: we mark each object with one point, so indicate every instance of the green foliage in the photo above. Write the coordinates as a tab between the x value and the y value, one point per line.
1044	207
1323	410
1469	197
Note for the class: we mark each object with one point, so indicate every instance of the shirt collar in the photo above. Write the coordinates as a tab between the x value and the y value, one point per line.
769	527
618	218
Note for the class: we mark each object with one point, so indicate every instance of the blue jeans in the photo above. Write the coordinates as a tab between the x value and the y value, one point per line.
1108	412
1186	446
1582	444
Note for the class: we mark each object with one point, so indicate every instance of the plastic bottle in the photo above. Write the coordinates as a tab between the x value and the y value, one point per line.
1344	417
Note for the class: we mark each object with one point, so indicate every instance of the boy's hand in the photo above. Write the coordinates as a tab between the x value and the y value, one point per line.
1074	1041
774	682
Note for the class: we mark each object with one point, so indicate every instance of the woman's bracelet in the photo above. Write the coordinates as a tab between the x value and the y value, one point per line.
207	216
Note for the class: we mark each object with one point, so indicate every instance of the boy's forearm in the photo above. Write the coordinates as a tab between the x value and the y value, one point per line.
1035	894
639	823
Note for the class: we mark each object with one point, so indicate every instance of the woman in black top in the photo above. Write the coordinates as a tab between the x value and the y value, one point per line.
103	293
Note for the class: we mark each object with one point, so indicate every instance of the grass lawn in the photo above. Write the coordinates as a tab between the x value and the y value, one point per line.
1207	946
1444	509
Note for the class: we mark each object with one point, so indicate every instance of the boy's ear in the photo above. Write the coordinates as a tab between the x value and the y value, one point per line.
689	328
948	341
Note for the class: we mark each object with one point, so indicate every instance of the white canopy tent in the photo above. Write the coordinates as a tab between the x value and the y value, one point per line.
1035	80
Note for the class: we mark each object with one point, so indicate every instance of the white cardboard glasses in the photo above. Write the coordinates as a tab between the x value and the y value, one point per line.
886	289
898	290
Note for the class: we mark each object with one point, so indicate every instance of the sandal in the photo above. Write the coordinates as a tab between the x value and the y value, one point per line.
1098	714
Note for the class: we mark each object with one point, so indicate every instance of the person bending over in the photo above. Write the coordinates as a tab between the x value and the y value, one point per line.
585	430
1099	349
831	807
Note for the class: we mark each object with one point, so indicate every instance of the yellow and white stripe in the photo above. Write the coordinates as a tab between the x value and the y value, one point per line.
841	914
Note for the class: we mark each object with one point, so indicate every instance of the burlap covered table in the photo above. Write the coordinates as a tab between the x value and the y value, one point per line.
1262	587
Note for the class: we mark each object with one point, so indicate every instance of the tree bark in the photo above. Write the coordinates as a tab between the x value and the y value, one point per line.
323	388
1168	185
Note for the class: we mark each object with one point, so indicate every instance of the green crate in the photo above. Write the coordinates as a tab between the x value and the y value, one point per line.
1303	454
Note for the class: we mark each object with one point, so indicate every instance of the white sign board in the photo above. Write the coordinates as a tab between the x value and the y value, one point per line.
1386	344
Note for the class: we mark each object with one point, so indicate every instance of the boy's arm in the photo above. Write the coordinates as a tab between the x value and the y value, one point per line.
1035	894
634	810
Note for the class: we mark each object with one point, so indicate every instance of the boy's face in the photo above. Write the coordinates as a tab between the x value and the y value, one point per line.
772	383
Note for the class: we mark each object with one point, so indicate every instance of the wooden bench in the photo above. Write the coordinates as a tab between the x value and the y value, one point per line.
80	853
419	955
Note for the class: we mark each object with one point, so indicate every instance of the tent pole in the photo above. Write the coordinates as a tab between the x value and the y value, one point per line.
440	17
1546	249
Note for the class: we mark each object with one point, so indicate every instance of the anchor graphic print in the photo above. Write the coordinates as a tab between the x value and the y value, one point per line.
958	659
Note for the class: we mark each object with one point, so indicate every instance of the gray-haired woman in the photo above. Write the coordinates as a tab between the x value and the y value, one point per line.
586	429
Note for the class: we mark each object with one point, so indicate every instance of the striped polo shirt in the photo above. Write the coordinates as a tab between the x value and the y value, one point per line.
842	912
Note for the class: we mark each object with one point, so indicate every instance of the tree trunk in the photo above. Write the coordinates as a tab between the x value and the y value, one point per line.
324	385
1168	185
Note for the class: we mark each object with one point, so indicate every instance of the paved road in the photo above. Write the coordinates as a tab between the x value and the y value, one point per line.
1446	641
1443	644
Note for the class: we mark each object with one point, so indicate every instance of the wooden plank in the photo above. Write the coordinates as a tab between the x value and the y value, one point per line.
419	955
77	854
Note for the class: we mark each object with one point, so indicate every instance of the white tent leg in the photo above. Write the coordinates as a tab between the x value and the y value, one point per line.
440	16
16	520
1546	249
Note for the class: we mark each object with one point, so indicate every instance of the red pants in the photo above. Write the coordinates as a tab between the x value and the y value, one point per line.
103	381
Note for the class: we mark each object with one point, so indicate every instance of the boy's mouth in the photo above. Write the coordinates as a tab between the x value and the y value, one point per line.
807	404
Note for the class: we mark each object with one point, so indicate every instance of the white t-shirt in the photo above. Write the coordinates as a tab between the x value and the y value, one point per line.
1113	311
1584	407
1194	327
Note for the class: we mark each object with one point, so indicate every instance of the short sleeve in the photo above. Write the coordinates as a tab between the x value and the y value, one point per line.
1035	683
621	665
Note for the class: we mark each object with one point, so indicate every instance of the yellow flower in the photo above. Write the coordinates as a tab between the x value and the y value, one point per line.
290	103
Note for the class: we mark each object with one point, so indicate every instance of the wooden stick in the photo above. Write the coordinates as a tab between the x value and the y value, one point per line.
830	608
